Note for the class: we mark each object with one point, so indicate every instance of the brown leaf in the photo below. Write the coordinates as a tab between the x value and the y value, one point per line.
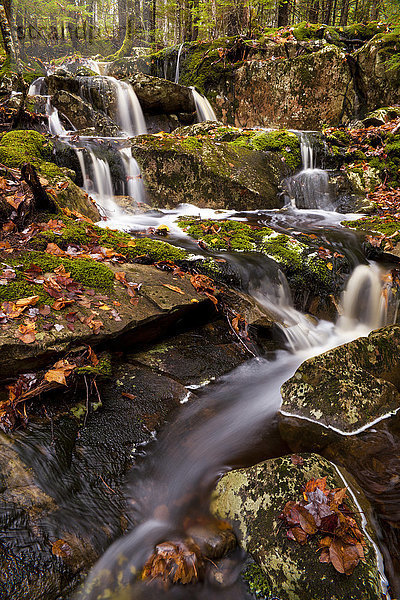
307	521
127	395
55	250
61	549
59	372
296	459
297	534
324	556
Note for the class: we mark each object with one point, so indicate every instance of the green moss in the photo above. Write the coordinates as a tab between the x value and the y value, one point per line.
339	137
306	31
87	272
257	581
21	146
281	140
191	143
14	290
102	369
387	225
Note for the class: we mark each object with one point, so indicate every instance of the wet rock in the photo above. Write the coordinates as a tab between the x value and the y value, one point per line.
252	500
62	479
381	116
158	95
82	115
195	357
215	540
342	391
177	170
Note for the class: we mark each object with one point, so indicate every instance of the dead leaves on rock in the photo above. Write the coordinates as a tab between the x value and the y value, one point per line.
324	511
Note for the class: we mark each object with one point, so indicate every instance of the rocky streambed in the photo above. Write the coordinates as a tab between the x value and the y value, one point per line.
143	361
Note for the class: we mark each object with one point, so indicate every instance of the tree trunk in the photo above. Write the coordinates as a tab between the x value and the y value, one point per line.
344	13
327	12
10	38
73	34
313	12
122	10
375	10
283	13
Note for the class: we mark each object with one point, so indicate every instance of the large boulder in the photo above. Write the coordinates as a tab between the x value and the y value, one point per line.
379	66
82	115
158	95
191	167
343	391
254	498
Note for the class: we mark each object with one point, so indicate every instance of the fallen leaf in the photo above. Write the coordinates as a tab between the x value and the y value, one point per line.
174	288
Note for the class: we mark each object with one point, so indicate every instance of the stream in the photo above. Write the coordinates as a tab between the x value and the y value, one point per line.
233	422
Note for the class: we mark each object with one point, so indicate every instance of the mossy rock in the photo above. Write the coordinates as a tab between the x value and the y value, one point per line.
300	262
343	390
21	146
178	169
252	499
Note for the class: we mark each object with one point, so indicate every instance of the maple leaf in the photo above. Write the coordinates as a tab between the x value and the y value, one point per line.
175	562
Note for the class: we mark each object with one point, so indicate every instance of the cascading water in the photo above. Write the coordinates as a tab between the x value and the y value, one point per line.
214	433
134	182
129	115
309	189
176	80
203	107
37	87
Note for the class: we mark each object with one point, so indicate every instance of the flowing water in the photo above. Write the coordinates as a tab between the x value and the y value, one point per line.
176	80
234	421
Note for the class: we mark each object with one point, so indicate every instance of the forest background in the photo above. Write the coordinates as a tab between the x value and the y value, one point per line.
51	28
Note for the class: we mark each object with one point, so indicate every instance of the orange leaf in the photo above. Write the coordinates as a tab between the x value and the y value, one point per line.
174	288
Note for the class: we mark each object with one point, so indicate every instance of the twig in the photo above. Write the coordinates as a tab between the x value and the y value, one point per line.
87	401
240	339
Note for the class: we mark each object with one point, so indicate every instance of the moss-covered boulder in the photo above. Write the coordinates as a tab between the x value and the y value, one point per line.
310	276
26	146
342	391
382	234
379	67
254	498
207	173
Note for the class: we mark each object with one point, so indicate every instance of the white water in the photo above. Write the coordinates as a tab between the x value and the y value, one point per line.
55	125
103	189
309	189
134	182
129	115
37	87
177	64
203	107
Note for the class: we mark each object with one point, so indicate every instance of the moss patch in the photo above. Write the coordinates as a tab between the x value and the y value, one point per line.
387	225
21	146
257	581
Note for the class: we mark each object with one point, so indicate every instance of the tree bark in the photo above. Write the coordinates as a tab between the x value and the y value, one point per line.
314	11
122	15
283	13
344	13
10	38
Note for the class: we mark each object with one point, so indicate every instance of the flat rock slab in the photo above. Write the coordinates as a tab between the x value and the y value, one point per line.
153	312
344	390
253	499
195	357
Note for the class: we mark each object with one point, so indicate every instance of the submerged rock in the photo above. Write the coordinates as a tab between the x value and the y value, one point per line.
342	391
253	498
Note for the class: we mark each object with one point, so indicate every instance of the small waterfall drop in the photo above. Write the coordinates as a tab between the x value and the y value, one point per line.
129	115
103	191
176	80
309	189
55	125
37	87
134	183
203	107
364	303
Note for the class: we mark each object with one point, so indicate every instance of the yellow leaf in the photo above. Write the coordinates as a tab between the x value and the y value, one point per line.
330	266
174	288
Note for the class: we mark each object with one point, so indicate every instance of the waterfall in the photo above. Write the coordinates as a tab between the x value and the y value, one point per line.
177	64
203	107
103	189
134	183
363	302
37	87
55	125
310	188
129	115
